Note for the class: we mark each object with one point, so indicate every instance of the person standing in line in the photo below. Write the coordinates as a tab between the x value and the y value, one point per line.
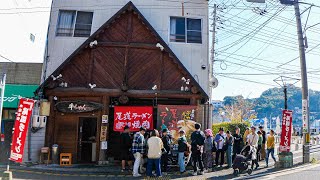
208	146
138	150
259	146
197	142
253	142
182	147
125	147
155	147
229	143
238	141
220	140
246	133
270	147
264	141
166	140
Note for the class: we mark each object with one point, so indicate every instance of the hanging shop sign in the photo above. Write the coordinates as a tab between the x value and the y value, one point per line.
176	118
133	116
21	125
78	106
286	131
103	133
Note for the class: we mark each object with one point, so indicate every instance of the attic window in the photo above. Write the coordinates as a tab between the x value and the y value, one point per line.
185	30
74	23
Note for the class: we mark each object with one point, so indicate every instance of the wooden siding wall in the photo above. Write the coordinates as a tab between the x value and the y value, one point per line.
126	54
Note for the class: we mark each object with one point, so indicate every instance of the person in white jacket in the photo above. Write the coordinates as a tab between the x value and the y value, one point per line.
252	140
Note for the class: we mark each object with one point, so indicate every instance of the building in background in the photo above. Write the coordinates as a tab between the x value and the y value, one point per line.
103	56
22	81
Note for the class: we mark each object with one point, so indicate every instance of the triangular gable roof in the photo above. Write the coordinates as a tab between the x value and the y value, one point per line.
131	7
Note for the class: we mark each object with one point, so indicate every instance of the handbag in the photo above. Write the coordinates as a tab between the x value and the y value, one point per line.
225	147
214	148
188	150
164	151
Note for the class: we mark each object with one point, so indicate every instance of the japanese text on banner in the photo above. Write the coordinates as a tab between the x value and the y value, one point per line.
286	131
21	125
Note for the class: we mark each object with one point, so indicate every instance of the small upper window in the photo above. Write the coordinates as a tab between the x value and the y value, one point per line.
74	23
185	30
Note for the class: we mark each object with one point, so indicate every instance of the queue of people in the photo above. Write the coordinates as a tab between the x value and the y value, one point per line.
203	147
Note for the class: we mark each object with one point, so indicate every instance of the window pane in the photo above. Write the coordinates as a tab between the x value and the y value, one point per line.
194	24
194	37
65	23
83	24
177	29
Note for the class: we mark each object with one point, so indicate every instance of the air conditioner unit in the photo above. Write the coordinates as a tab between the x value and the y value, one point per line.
43	121
35	121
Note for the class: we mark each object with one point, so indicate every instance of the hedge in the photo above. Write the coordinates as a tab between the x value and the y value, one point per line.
230	126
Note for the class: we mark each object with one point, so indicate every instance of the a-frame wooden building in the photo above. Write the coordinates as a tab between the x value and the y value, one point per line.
125	63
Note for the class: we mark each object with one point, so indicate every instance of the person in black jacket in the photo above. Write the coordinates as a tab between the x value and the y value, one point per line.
125	148
166	140
182	147
237	146
264	141
197	142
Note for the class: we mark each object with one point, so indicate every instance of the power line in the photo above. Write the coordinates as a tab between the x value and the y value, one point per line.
6	58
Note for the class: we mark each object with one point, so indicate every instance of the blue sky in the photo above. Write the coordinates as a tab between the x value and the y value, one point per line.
251	48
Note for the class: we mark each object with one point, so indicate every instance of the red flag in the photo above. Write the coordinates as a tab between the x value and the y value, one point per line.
20	129
285	142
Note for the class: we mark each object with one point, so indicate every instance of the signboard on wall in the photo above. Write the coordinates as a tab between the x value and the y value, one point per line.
285	141
21	125
176	118
78	106
133	116
305	117
105	119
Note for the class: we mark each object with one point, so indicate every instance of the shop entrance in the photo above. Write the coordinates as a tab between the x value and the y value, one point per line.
87	140
5	145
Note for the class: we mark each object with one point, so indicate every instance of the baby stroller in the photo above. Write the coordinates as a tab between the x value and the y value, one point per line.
242	161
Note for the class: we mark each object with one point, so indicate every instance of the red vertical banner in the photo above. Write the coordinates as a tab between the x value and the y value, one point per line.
21	125
134	117
285	142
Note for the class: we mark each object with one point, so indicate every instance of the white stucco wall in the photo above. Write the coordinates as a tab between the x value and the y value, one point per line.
157	12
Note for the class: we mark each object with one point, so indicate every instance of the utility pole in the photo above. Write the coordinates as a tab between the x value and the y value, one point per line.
304	89
2	86
213	41
285	90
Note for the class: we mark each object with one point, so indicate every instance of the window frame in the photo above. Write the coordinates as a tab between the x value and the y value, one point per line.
74	23
186	30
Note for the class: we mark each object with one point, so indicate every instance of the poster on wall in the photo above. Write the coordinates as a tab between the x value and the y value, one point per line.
21	125
133	116
176	118
285	141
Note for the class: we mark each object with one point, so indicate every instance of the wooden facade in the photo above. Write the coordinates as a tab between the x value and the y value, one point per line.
124	64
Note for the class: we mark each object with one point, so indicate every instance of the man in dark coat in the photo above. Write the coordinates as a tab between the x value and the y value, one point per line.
166	140
197	142
125	148
237	146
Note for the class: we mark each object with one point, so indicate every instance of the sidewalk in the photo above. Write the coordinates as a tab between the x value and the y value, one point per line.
113	170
